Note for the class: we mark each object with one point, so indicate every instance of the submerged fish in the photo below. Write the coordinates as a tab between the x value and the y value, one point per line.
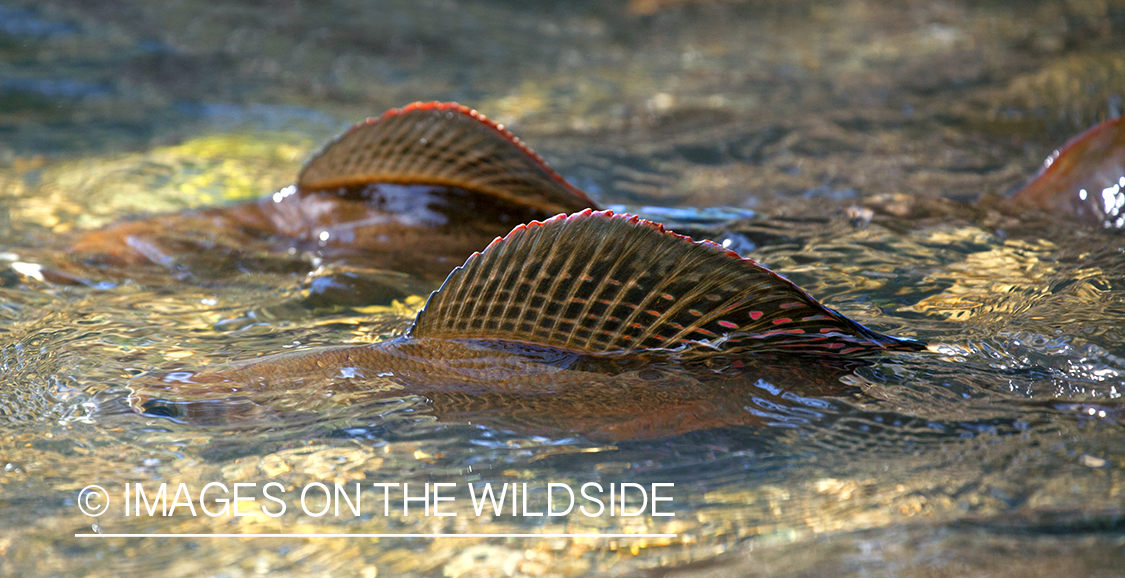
415	190
420	188
1081	183
594	323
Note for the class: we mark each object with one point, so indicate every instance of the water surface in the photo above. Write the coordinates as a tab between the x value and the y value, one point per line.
999	452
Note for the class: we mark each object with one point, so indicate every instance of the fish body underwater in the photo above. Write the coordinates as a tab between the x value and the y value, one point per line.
596	324
420	188
416	190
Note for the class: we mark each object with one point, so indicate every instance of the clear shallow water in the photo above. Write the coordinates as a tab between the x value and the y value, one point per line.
998	452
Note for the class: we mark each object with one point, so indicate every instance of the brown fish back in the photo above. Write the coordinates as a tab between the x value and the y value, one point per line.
443	144
599	282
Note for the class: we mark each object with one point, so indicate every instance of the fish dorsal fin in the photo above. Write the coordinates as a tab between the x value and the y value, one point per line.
442	144
598	282
1085	178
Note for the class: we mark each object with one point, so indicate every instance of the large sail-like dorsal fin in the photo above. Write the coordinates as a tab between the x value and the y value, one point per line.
599	282
443	144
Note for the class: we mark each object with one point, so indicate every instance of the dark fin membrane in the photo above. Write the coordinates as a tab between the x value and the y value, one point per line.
443	144
1085	178
600	282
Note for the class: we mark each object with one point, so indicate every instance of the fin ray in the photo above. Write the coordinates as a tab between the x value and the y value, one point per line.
598	282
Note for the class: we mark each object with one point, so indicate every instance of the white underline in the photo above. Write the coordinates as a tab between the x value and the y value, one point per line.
375	535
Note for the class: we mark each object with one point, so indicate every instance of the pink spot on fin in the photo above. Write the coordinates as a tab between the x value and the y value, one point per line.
791	304
629	325
780	332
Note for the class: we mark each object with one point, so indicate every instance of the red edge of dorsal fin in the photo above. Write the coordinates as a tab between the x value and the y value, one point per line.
1071	145
599	282
1090	161
1072	142
363	155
